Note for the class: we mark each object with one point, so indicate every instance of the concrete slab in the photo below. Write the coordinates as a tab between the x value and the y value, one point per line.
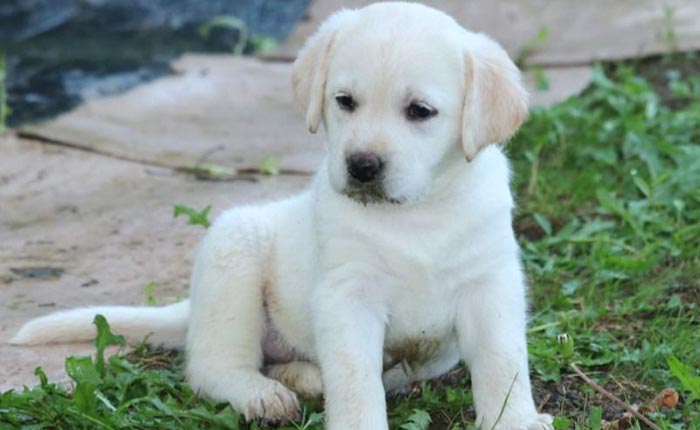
218	109
551	85
238	112
578	32
78	228
222	110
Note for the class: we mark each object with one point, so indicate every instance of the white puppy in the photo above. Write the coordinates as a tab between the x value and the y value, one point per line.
399	260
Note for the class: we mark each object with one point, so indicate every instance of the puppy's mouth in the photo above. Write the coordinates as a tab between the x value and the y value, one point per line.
369	193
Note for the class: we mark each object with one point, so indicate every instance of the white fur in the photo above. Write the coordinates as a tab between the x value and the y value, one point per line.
376	295
165	325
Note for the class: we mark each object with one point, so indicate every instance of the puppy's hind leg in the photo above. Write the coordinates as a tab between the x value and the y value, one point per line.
227	320
398	379
302	377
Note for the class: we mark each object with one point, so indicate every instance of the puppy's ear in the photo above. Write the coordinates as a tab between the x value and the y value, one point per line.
310	69
495	102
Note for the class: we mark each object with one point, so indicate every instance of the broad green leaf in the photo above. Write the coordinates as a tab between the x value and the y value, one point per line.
104	339
690	381
418	420
82	370
595	418
195	217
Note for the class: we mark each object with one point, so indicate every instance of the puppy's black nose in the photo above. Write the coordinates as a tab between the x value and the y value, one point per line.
364	166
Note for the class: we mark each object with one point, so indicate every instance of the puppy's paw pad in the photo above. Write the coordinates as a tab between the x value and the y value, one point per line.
273	403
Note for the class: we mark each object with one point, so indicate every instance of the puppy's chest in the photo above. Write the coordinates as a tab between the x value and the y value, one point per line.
420	327
418	272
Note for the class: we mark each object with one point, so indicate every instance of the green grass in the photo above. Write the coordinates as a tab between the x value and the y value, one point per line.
608	185
609	222
194	217
4	109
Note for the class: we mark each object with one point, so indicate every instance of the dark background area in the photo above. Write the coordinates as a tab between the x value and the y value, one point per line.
60	52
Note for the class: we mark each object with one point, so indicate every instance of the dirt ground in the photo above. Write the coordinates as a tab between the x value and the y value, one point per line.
78	228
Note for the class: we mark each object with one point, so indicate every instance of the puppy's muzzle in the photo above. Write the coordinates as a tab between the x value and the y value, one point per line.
365	167
366	172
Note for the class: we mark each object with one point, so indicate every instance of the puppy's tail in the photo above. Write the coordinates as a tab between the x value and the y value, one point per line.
166	325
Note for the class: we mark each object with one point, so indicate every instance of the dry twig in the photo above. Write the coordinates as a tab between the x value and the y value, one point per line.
614	398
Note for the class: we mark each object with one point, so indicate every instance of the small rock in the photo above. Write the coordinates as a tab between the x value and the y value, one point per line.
90	283
38	272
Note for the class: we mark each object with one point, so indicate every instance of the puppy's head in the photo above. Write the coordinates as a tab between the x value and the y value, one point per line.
403	91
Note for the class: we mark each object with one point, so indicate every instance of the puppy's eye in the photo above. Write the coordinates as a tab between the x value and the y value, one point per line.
346	102
420	111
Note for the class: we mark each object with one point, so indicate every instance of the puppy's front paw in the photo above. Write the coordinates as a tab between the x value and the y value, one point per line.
539	422
536	422
272	402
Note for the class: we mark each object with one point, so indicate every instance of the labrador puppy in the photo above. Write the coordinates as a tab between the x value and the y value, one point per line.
399	260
